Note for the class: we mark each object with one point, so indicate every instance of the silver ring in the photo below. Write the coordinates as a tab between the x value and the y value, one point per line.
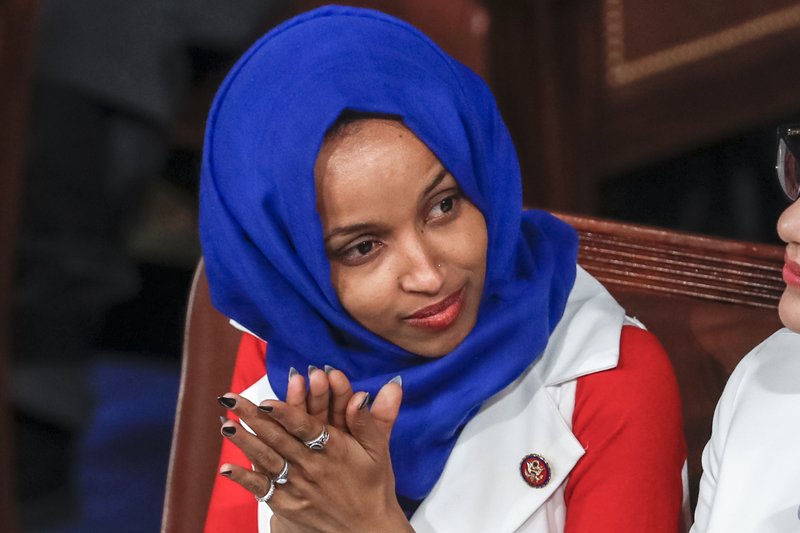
270	491
281	478
318	443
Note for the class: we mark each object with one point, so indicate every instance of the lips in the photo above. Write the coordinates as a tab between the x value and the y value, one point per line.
791	272
439	315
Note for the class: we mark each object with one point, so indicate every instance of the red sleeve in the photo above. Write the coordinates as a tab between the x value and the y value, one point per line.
232	508
629	421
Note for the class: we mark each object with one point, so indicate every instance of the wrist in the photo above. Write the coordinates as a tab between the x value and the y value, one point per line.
394	521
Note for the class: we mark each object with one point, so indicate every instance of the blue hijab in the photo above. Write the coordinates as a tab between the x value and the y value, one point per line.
262	236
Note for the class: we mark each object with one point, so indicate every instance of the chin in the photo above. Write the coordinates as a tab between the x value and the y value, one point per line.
789	309
440	345
433	350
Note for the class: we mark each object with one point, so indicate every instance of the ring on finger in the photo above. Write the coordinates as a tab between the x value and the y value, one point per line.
318	443
270	491
281	478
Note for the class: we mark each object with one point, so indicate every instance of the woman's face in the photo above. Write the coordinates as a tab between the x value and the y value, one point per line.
789	232
407	250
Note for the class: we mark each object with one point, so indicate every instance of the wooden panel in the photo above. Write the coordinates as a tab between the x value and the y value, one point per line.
648	38
546	78
598	88
680	74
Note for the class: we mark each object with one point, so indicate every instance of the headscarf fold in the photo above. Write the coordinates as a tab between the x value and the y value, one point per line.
262	236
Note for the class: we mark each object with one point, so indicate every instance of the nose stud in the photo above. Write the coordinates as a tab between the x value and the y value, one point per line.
438	265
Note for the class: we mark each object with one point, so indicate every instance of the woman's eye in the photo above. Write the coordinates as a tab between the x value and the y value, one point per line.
444	207
360	252
364	247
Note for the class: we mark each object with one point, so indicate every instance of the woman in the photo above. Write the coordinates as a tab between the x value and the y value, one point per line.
361	212
750	465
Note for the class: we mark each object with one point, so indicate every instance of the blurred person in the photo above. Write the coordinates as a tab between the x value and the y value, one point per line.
108	80
750	464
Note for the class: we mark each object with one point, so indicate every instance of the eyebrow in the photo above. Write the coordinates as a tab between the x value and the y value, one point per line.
436	181
353	228
371	226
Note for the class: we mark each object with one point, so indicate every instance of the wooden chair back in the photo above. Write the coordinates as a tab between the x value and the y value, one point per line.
209	353
708	300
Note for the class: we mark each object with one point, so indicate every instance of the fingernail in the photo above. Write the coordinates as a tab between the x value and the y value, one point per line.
364	401
229	431
293	372
222	419
265	408
328	369
228	403
226	473
397	379
311	369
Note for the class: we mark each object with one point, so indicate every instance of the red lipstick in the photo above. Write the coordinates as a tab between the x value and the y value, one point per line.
439	315
791	272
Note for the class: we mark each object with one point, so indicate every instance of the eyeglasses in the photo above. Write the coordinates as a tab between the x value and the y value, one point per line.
787	165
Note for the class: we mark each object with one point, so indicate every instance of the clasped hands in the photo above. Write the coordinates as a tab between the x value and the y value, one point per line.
349	484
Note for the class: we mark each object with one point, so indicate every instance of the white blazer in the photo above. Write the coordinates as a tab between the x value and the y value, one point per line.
751	465
481	488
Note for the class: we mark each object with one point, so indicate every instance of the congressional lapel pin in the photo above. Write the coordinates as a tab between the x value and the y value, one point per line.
535	470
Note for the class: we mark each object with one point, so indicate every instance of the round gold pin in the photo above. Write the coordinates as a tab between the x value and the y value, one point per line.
535	470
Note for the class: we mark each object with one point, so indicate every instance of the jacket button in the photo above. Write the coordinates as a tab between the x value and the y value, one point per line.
535	470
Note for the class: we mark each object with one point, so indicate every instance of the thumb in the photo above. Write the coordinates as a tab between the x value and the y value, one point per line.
386	405
362	426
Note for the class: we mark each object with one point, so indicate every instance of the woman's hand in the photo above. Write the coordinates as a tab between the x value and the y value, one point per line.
328	395
348	485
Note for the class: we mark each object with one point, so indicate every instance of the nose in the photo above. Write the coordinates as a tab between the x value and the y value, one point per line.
789	224
421	272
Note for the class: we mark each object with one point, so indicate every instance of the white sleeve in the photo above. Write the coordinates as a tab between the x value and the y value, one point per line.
713	453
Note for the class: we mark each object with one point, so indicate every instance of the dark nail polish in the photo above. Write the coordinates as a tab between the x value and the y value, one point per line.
328	369
228	403
229	431
265	408
364	401
226	473
312	369
293	372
